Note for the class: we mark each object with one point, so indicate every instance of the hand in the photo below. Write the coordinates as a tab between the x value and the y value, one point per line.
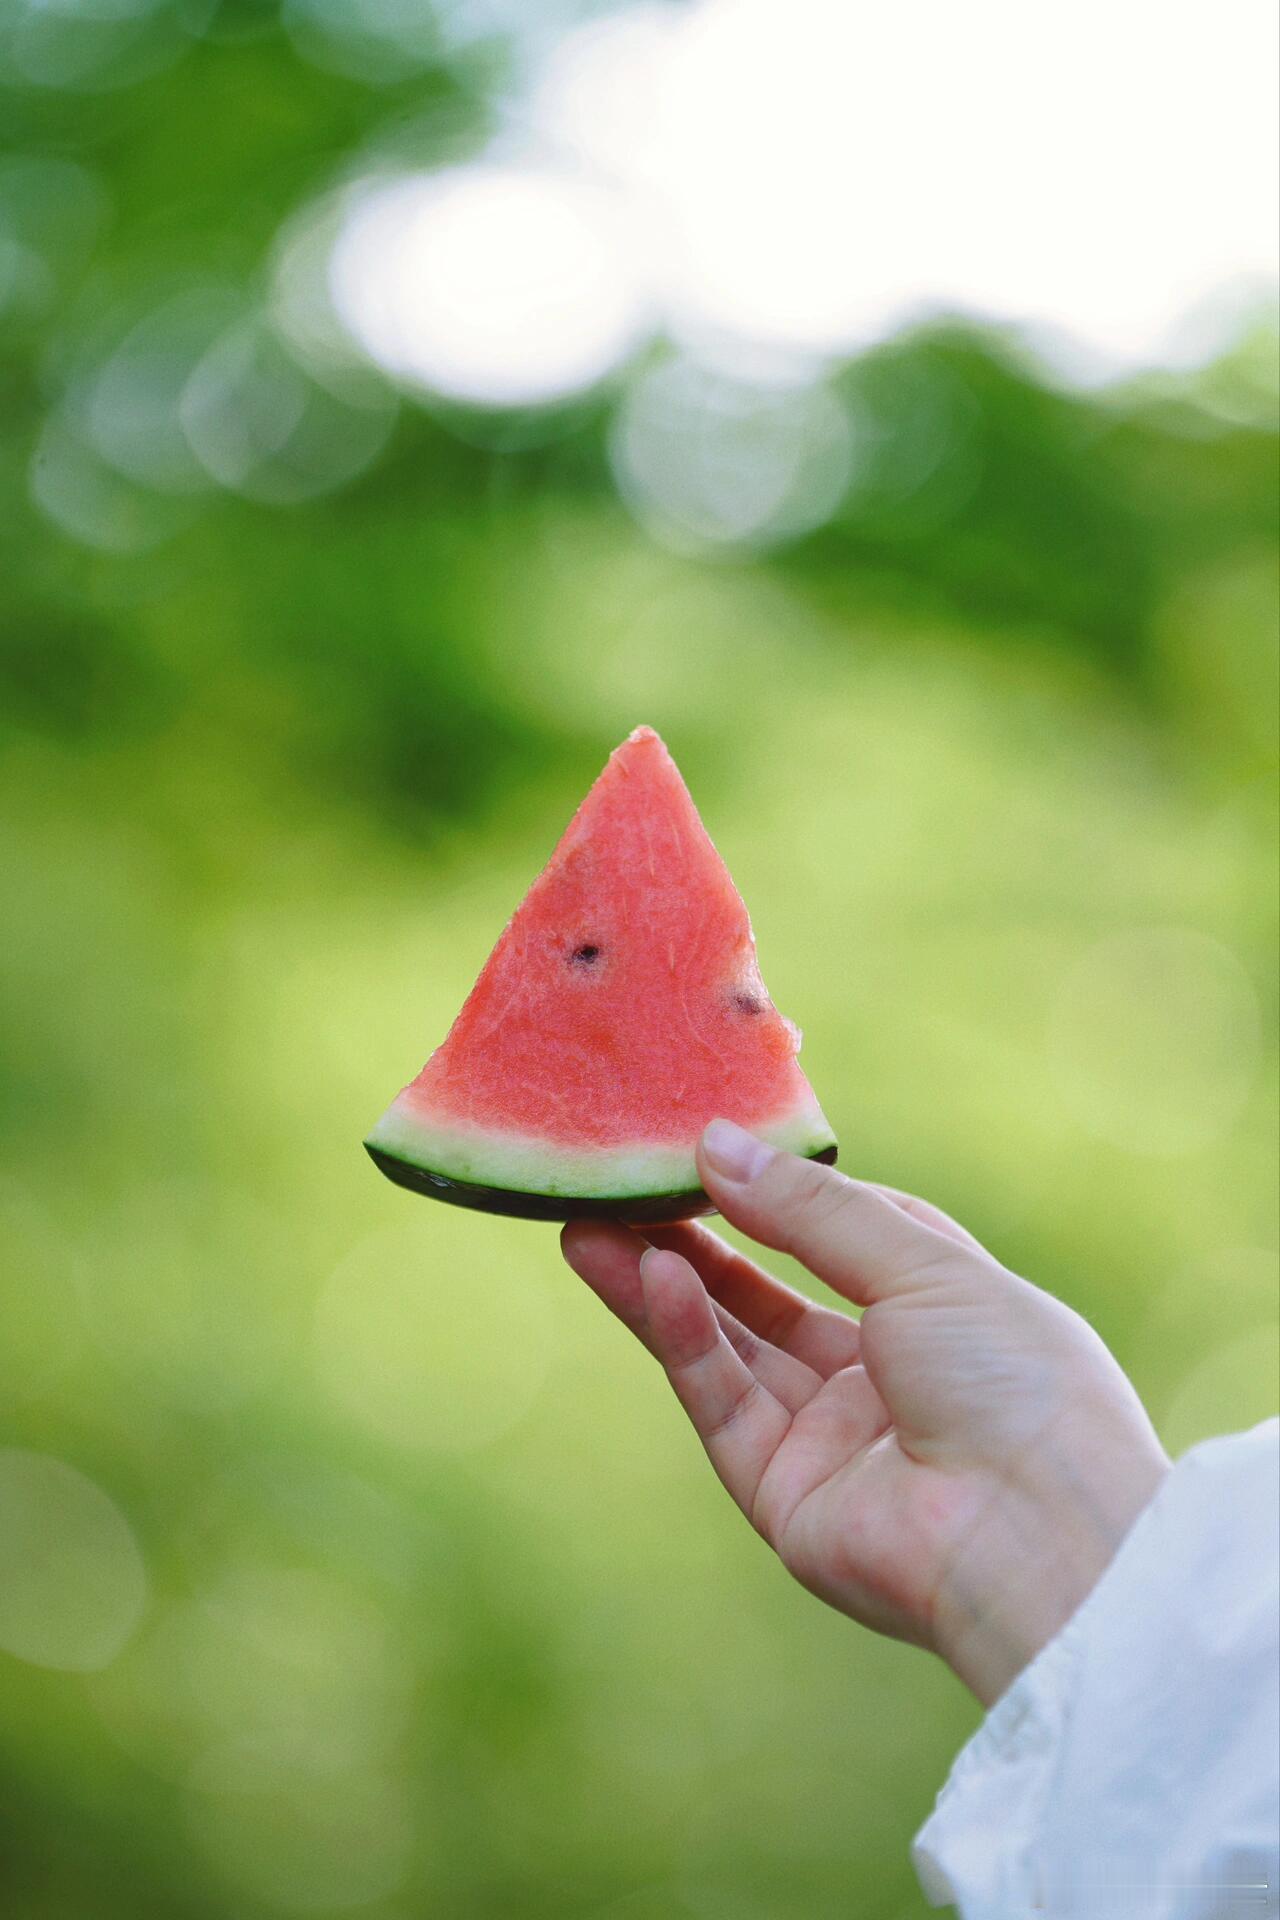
957	1468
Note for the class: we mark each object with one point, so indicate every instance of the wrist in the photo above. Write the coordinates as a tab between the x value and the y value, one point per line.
1033	1555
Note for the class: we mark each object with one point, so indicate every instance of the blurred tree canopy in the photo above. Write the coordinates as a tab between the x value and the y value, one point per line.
339	632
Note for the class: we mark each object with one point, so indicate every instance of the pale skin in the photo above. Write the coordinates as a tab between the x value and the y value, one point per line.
956	1469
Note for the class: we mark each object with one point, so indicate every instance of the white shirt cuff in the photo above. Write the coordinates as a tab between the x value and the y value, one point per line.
1131	1768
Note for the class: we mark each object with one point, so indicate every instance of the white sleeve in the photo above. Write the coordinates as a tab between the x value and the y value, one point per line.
1131	1769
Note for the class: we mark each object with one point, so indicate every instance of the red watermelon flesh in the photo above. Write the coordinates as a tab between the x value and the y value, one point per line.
621	1010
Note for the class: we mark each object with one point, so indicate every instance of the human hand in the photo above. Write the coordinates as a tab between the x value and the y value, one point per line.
957	1468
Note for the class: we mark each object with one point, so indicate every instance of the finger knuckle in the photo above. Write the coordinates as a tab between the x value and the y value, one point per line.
742	1340
733	1411
821	1199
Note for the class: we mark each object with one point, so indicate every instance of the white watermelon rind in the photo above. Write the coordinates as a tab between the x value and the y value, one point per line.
484	1158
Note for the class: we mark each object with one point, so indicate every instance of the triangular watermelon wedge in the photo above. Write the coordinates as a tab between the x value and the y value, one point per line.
621	1010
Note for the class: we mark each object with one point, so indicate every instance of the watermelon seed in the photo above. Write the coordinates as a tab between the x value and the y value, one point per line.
586	956
747	1003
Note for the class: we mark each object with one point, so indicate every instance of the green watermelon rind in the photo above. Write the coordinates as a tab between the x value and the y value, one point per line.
651	1209
543	1180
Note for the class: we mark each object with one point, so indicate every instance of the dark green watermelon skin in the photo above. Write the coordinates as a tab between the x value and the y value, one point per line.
651	1210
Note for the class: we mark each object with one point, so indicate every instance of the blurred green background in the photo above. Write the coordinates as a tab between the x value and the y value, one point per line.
351	1561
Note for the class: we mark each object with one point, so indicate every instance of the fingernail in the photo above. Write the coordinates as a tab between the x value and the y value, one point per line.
735	1153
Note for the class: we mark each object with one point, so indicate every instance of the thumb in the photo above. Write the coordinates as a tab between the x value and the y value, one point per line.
844	1231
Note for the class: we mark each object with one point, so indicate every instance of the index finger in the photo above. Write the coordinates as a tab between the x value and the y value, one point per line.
852	1237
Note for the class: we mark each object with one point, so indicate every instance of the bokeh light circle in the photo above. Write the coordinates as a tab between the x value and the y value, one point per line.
259	425
129	403
51	212
492	285
705	460
72	1581
96	46
92	502
376	41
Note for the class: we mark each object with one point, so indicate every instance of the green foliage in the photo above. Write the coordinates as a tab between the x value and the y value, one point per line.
444	1614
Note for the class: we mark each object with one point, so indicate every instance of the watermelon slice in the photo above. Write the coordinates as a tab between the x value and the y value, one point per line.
621	1010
